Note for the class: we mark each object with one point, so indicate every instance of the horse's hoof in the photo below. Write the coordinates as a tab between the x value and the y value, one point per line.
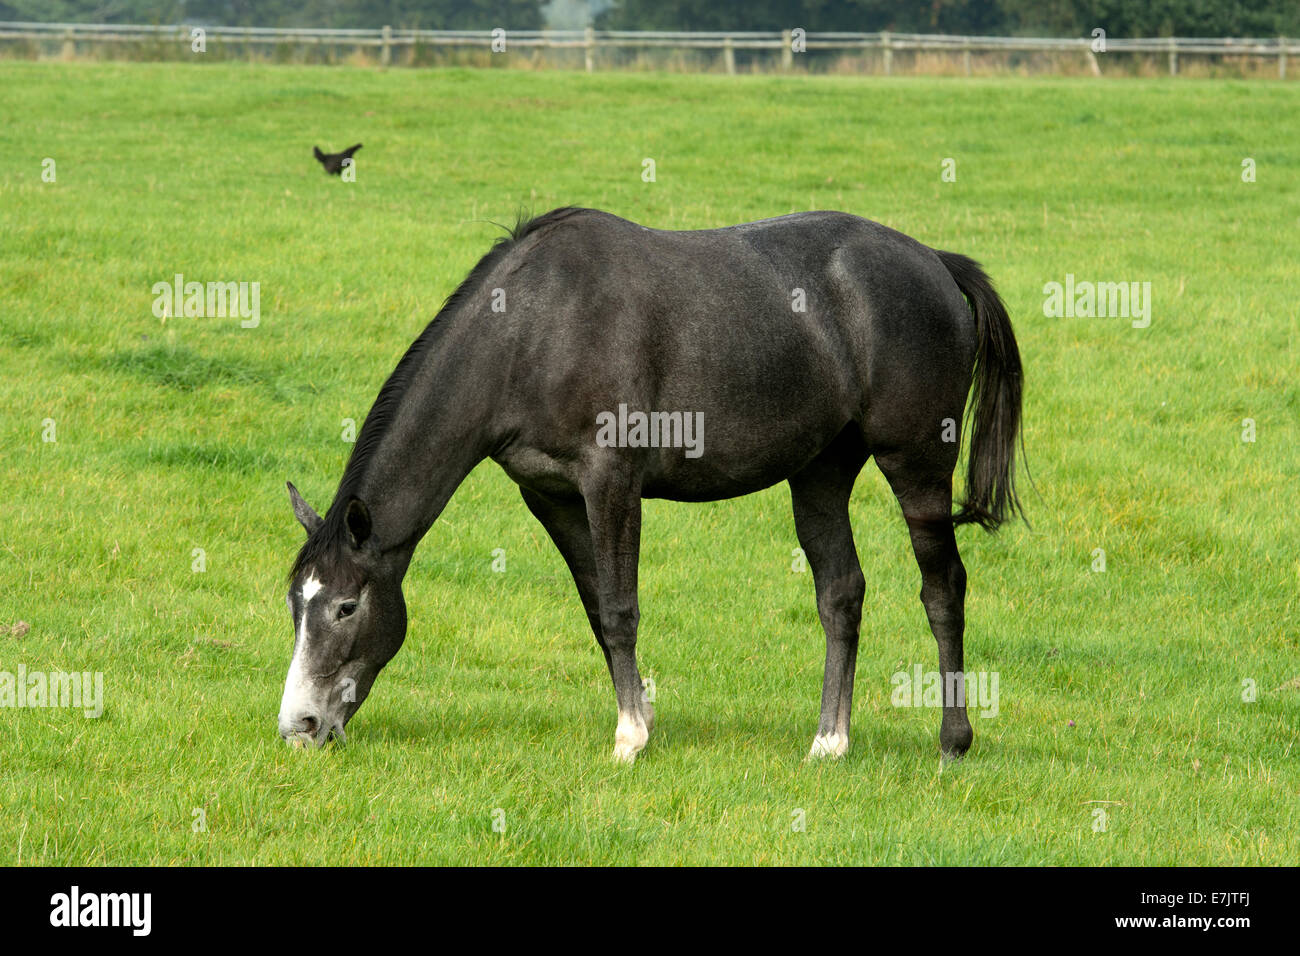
631	736
828	745
954	744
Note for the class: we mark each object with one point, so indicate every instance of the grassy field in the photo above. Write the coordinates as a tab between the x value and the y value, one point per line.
1125	691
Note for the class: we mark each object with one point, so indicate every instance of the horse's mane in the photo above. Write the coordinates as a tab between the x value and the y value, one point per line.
323	546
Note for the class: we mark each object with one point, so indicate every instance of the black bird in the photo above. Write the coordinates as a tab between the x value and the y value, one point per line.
334	162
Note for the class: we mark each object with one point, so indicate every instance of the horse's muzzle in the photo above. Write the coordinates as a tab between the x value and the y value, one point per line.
308	730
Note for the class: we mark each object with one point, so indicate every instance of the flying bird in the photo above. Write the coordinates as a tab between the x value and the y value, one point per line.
334	162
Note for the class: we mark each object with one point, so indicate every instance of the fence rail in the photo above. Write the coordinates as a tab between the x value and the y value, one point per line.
787	44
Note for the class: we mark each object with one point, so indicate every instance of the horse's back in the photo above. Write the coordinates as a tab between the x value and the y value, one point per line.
783	331
827	294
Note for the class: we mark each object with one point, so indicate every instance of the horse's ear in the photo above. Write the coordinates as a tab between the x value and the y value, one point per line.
308	518
357	519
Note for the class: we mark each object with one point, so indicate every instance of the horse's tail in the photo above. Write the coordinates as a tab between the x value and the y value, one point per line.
995	402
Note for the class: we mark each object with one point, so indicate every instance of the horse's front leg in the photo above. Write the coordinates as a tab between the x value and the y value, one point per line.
613	497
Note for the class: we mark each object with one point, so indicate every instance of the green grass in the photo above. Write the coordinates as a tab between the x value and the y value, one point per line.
179	435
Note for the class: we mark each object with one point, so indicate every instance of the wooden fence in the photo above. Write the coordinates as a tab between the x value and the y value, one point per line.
780	48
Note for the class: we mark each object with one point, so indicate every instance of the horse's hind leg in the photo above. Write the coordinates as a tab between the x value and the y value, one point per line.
820	496
923	487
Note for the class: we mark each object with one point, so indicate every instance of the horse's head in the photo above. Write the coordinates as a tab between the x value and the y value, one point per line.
349	619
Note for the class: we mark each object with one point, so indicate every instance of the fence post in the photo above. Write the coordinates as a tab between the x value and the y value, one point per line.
787	50
386	51
69	47
1281	58
589	48
1173	57
1092	59
965	58
888	53
729	56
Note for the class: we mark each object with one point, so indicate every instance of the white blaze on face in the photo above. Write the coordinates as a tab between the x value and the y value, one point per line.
309	589
299	693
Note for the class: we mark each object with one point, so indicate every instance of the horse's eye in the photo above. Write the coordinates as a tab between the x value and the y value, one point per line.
346	608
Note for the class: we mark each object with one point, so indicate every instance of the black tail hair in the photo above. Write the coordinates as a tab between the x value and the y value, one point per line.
994	410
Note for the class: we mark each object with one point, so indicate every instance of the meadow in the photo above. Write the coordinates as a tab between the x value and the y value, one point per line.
1148	714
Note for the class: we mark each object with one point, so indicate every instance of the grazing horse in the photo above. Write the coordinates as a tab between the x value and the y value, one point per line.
585	355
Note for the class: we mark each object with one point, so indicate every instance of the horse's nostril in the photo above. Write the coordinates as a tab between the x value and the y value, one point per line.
310	725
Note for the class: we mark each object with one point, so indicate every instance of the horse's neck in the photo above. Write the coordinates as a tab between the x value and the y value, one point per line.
438	432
